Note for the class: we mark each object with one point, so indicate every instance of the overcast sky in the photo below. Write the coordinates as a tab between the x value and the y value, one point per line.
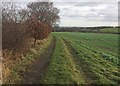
88	13
85	12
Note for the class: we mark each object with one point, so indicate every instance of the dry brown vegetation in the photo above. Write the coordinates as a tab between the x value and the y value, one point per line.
22	28
20	24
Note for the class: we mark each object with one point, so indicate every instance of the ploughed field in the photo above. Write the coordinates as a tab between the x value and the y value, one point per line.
84	58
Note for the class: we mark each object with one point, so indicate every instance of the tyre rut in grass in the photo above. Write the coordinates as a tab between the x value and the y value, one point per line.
36	70
62	68
83	71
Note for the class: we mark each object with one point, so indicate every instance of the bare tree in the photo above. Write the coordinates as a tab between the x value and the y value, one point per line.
43	16
13	27
19	24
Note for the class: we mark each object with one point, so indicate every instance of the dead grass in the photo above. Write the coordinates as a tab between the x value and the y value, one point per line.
11	59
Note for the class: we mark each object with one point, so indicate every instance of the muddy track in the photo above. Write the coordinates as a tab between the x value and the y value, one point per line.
82	69
34	73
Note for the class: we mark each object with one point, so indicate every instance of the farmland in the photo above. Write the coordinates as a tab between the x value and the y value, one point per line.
49	43
71	58
84	58
110	30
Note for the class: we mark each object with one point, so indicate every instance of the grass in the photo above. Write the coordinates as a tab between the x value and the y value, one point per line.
78	58
103	42
15	68
110	30
62	69
96	54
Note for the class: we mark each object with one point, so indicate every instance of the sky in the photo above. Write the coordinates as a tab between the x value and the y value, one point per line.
82	13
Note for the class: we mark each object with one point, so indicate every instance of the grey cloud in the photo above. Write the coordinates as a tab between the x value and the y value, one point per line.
103	12
109	13
111	18
90	4
85	0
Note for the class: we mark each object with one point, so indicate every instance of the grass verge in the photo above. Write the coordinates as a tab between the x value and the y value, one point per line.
62	69
13	69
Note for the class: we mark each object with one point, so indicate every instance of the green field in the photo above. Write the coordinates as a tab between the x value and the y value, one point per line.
69	58
110	30
84	58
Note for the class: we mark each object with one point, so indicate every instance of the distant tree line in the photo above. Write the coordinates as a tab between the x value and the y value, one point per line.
82	29
22	22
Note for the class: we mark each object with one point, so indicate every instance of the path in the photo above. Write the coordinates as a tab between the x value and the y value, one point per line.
36	70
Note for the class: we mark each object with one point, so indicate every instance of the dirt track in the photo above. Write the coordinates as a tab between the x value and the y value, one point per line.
36	70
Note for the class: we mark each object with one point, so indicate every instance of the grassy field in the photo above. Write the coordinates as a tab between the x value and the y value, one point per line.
110	30
75	58
84	58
